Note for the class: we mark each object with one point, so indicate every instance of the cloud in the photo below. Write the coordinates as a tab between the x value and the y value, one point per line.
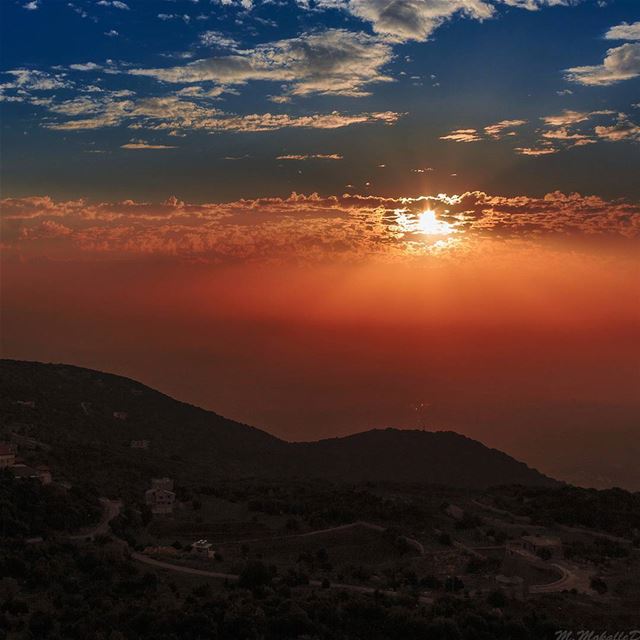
620	63
31	6
624	31
566	135
623	129
568	117
116	4
218	39
173	113
176	112
403	20
462	135
498	129
311	156
141	144
335	61
535	152
300	227
32	80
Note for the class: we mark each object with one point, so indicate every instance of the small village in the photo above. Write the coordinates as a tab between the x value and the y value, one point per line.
470	548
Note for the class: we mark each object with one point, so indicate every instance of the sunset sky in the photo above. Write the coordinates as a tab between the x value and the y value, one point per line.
323	216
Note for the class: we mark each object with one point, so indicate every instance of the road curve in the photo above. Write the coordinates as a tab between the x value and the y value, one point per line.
159	564
110	510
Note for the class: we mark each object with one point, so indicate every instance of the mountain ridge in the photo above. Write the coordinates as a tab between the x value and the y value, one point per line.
80	407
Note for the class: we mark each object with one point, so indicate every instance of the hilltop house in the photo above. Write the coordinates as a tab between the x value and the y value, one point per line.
160	498
7	455
203	548
140	444
25	472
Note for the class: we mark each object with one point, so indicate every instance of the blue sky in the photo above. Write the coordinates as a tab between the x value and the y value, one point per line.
220	99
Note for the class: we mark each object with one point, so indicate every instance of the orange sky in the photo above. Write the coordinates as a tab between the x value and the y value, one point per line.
523	324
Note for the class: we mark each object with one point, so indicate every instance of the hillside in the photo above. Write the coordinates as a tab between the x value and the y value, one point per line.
89	419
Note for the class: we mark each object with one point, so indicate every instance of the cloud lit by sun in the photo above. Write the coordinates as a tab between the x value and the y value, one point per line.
429	224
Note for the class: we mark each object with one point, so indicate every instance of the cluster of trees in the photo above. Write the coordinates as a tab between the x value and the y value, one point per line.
615	511
322	504
29	509
61	591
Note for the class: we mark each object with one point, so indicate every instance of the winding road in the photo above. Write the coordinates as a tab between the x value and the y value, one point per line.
110	510
159	564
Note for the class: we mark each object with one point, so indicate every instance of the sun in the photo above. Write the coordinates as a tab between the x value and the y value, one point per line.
429	224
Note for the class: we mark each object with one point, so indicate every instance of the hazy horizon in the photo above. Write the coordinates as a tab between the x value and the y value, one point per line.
319	217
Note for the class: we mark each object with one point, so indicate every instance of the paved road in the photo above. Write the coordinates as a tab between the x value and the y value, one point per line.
110	510
159	564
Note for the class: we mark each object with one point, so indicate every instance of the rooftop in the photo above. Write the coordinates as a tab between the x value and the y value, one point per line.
541	541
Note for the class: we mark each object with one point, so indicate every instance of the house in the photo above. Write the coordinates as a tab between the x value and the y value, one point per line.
140	444
120	415
160	498
25	472
7	455
203	549
455	512
543	547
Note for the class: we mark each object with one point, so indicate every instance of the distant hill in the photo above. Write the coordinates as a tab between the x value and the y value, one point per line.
89	419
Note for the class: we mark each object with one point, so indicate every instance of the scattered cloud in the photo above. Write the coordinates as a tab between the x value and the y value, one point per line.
623	129
539	151
311	156
335	61
403	20
462	135
406	20
174	113
504	127
620	63
116	4
308	227
624	31
141	144
568	117
32	80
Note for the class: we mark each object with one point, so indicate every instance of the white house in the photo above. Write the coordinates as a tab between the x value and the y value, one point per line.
203	548
161	497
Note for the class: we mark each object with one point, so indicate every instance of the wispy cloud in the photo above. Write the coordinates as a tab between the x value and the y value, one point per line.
141	145
335	61
462	135
620	63
624	31
536	151
311	156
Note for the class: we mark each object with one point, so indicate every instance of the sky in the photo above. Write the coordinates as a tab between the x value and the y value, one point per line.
323	216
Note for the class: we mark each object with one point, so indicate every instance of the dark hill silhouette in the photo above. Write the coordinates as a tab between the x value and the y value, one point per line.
74	410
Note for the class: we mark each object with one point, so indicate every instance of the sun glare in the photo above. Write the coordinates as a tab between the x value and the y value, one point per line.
429	224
